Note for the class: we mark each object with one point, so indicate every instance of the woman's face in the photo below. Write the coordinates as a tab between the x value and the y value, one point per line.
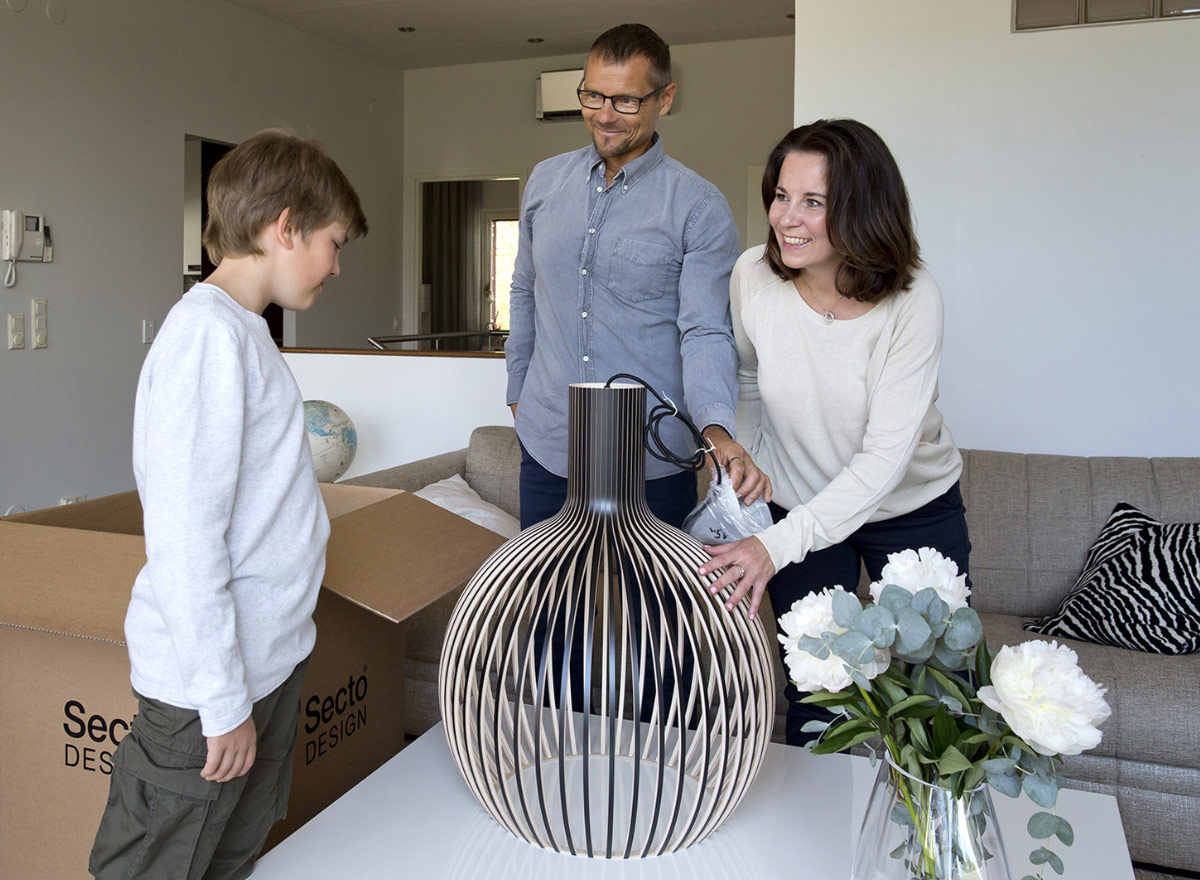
797	214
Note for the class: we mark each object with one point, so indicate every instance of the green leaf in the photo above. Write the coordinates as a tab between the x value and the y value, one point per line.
843	738
830	699
964	631
909	702
1042	825
846	608
951	685
952	761
983	664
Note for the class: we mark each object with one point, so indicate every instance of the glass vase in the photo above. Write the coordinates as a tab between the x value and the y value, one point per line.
915	830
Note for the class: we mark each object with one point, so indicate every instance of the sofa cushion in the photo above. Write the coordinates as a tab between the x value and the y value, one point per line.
1139	589
493	466
456	496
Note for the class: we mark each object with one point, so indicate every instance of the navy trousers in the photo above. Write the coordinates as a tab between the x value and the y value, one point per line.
543	494
940	524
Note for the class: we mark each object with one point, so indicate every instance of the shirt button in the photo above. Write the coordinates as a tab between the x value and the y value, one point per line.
583	271
625	188
599	189
591	232
585	357
583	314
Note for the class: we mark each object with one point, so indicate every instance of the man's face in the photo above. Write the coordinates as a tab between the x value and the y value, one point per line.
622	137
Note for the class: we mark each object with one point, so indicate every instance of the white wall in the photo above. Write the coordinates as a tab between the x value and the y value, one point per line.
405	407
476	121
92	126
1055	181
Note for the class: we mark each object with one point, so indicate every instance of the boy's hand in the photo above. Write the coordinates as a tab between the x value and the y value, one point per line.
231	755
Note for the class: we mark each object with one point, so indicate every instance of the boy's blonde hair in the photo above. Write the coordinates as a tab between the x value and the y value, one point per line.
270	171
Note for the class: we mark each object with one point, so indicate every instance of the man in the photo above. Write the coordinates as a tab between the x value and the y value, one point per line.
622	267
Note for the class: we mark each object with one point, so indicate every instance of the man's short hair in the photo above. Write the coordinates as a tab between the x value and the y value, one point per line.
625	41
272	170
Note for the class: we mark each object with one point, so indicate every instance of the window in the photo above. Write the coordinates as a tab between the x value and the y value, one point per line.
1041	14
503	258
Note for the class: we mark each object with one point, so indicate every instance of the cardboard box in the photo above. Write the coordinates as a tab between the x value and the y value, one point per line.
65	698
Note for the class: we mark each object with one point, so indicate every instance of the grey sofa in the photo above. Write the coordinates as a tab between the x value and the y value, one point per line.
1031	520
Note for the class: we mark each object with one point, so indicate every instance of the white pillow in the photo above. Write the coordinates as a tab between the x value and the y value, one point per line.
454	494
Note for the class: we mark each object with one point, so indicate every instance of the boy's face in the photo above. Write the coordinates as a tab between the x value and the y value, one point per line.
309	263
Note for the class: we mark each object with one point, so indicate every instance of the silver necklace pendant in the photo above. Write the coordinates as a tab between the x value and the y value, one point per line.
827	318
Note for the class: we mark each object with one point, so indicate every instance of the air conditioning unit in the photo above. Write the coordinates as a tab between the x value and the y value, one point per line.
556	98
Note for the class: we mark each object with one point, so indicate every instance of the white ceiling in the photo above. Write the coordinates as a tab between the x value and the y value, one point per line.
466	31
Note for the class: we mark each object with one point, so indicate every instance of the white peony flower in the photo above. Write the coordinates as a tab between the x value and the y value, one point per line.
1046	699
916	570
813	616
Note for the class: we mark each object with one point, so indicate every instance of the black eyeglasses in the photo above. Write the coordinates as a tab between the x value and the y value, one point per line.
627	104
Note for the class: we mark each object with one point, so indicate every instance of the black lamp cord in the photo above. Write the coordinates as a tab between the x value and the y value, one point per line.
666	408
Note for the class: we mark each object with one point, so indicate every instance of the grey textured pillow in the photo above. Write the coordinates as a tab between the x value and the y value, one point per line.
1139	589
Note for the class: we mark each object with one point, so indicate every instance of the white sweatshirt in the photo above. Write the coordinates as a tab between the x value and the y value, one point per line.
841	416
234	523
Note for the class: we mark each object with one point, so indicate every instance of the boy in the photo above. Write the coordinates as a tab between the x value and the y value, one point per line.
219	626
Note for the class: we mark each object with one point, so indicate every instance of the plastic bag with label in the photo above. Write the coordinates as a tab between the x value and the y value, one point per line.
722	517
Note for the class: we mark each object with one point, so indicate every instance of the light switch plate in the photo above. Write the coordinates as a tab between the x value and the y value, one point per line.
16	332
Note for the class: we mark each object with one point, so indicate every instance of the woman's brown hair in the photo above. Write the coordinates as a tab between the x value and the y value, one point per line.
868	218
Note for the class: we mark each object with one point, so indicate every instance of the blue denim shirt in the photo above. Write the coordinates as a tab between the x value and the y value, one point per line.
631	277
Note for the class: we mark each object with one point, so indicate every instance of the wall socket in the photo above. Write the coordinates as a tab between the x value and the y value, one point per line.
147	332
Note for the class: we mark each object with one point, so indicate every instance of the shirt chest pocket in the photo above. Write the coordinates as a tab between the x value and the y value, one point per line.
641	270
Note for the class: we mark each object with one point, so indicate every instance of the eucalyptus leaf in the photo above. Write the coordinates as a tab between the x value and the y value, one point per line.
1042	790
1043	856
814	726
931	606
912	631
877	624
999	765
895	599
816	647
1065	832
948	658
846	608
1005	783
964	631
861	680
855	648
952	704
1042	825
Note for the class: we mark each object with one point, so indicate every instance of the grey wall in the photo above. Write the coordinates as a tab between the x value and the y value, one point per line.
476	121
92	126
1055	180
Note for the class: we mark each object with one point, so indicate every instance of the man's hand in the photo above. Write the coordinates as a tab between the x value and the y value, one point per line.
231	755
513	407
747	480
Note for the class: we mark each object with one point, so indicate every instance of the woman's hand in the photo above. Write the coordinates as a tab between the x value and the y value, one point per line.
749	569
747	480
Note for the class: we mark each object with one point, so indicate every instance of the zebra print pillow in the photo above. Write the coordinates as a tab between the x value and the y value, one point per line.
1139	589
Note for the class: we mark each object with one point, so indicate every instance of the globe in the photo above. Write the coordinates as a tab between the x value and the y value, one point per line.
332	438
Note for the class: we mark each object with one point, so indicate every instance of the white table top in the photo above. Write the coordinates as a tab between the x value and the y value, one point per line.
415	818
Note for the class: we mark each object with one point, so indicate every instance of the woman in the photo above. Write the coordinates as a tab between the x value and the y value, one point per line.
839	334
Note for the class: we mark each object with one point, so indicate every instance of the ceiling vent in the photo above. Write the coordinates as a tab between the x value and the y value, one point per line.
556	97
